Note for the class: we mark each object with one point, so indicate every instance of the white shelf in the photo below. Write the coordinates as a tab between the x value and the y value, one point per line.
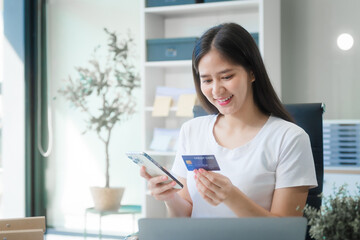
157	153
173	110
342	170
341	121
162	64
150	109
204	8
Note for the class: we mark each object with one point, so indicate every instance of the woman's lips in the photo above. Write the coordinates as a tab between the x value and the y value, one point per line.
224	101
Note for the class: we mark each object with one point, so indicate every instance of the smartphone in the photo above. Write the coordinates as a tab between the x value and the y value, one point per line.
153	168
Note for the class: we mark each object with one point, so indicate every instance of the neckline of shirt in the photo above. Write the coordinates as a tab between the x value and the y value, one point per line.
239	148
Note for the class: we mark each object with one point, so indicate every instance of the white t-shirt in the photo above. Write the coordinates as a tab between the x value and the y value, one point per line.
278	156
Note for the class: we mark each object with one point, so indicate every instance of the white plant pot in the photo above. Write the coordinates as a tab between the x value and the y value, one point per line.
107	199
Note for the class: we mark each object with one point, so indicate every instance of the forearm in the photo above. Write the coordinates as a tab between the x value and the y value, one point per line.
243	206
178	206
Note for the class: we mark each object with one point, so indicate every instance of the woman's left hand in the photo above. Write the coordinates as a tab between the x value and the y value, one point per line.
213	187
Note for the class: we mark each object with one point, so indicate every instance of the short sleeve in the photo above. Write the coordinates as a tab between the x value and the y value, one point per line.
179	168
296	164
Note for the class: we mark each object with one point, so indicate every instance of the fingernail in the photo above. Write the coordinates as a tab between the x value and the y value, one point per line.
195	171
164	178
201	170
173	183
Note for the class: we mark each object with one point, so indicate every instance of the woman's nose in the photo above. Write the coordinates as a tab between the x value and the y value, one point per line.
217	88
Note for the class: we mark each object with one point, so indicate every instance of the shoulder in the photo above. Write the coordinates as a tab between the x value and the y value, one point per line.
286	133
283	127
197	127
199	122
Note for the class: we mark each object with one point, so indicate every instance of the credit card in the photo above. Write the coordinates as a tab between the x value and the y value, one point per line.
207	162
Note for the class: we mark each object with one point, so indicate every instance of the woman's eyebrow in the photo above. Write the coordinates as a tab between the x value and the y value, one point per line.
204	75
224	71
218	73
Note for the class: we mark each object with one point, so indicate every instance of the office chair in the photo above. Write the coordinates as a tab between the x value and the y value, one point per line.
309	117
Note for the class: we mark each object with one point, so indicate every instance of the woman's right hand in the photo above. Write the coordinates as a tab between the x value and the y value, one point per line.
158	188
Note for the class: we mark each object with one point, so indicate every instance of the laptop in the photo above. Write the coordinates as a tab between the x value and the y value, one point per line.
255	228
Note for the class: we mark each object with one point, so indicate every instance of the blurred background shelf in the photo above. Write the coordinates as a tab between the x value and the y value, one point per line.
342	170
204	8
165	64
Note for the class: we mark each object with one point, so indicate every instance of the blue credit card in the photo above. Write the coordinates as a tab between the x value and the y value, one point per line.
207	162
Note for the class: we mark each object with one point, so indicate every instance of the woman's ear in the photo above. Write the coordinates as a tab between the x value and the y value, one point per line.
252	77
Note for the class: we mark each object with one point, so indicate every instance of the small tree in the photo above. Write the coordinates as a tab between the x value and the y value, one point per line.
110	85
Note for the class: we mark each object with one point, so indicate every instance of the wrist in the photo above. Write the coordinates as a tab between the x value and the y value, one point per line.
171	198
232	196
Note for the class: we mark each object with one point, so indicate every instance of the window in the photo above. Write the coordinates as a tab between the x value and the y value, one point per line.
1	102
74	30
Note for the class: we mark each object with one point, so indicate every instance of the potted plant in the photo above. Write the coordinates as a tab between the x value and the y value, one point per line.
338	218
104	92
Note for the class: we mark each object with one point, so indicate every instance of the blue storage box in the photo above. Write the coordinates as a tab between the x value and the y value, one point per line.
169	49
160	3
255	37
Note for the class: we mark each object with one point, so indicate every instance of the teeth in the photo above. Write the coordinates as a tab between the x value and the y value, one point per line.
224	100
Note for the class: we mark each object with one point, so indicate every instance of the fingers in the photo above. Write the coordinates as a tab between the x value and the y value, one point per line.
207	194
160	183
212	201
154	181
207	180
213	187
161	190
160	187
144	174
215	178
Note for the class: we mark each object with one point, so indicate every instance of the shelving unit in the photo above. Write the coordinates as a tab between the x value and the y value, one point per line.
342	170
164	64
192	20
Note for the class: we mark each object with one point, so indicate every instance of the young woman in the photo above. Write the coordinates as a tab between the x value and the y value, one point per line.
266	161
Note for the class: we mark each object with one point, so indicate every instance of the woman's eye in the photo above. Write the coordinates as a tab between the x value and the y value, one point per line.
228	77
206	81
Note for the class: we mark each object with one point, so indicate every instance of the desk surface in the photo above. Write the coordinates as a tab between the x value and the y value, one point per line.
124	209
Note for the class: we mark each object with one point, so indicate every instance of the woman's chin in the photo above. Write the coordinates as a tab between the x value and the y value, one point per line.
226	111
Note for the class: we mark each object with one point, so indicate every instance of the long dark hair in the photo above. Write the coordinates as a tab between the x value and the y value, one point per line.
238	46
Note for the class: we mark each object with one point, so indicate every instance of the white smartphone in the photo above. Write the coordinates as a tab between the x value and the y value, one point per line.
153	168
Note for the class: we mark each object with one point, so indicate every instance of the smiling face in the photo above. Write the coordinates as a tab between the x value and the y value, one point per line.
226	85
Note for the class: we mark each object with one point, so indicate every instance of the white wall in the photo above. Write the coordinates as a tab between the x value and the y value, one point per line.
314	69
75	27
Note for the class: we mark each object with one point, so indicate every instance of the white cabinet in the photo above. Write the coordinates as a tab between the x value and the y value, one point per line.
262	16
